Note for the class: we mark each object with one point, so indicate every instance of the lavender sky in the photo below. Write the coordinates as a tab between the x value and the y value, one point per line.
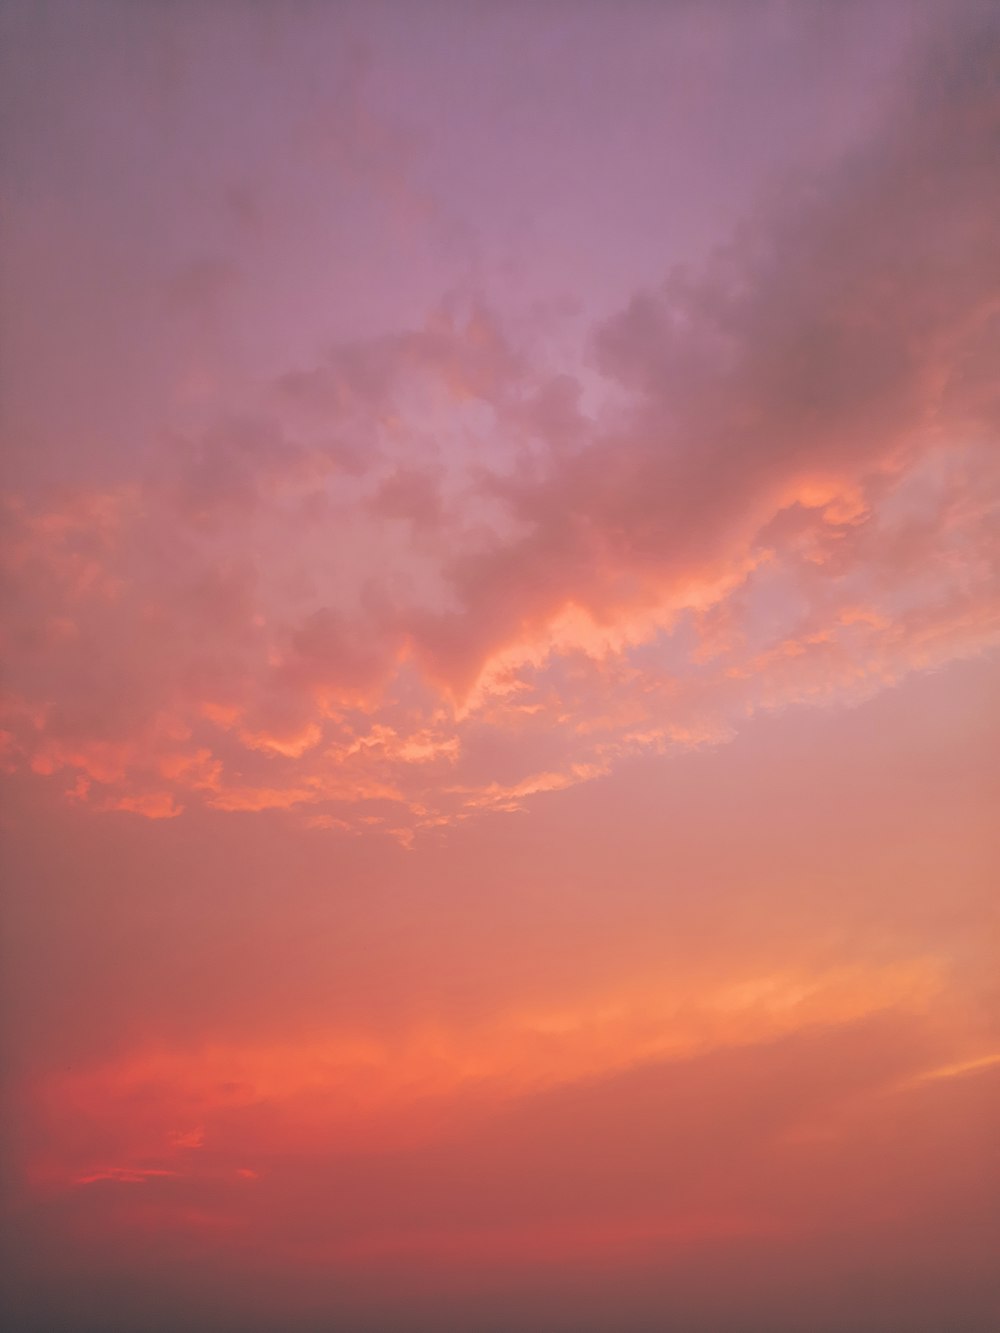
499	719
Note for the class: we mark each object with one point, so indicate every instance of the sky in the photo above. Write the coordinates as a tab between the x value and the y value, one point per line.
499	722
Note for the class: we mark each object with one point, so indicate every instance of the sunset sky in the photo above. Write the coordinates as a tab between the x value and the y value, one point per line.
500	726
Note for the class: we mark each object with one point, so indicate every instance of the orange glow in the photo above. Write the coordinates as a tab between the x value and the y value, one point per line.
499	717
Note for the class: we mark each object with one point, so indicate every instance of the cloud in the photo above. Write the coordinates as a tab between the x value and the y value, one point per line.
793	1155
786	495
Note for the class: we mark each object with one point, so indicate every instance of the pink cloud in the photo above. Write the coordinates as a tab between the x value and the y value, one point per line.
447	542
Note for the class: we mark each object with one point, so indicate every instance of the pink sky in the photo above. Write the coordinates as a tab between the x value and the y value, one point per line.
499	711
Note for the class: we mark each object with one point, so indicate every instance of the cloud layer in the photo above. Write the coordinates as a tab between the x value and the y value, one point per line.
778	486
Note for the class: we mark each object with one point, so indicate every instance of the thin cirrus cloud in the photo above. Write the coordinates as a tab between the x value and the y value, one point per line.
500	590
